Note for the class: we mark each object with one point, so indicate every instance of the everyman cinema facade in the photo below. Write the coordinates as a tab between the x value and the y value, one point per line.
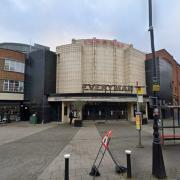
102	74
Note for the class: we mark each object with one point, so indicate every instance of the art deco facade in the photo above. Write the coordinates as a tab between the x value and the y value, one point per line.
101	71
94	61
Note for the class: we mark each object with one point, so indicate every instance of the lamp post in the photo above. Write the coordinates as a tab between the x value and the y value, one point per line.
158	168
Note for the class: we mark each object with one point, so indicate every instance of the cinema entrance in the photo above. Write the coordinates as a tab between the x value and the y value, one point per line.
105	111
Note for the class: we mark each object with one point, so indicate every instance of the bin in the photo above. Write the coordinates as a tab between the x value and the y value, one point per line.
144	121
33	119
77	123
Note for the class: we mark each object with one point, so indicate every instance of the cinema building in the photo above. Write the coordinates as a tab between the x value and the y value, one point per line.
102	74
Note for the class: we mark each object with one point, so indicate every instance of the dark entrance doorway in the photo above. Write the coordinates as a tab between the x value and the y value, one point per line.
104	111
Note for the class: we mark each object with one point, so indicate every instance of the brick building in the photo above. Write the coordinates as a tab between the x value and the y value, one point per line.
12	65
168	72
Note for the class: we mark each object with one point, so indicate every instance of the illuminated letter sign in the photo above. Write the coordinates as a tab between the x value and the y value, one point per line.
106	88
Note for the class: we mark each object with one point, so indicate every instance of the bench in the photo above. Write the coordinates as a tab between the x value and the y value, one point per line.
170	137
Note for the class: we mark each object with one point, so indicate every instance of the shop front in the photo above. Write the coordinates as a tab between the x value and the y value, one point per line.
9	111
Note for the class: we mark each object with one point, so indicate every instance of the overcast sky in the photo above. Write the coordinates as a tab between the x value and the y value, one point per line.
56	22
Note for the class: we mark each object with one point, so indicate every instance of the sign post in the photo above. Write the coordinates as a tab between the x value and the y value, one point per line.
138	113
158	168
138	127
102	150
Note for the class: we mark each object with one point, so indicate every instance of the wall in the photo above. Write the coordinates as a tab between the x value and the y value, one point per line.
10	75
163	54
166	87
178	69
68	69
94	61
135	68
12	96
39	82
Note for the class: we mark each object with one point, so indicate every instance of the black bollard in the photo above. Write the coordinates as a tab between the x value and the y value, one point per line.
66	175
128	154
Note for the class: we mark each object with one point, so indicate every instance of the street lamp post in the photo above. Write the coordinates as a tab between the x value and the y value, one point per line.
158	168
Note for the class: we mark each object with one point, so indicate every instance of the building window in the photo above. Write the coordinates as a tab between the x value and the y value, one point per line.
12	65
13	86
6	85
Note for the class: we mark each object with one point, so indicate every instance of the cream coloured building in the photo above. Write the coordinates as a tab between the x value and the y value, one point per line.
102	74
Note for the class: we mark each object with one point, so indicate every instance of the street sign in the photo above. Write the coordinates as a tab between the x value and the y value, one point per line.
105	140
138	121
140	99
156	86
139	90
100	155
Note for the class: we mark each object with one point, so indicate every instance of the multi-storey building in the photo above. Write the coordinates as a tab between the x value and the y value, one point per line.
168	75
12	65
102	74
39	75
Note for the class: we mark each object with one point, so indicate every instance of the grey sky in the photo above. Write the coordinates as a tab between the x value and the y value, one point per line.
56	22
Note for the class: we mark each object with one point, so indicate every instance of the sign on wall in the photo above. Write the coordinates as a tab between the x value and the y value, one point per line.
156	86
107	88
139	90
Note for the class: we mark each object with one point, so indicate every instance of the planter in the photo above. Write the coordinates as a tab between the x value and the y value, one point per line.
77	123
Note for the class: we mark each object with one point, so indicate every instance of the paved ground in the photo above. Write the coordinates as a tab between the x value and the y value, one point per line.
125	137
39	153
26	158
18	130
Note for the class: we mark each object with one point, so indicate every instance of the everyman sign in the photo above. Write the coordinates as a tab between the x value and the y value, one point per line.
106	88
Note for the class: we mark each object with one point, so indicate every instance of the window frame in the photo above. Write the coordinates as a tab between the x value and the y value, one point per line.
11	86
14	65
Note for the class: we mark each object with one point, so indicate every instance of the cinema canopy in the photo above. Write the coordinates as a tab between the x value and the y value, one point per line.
101	74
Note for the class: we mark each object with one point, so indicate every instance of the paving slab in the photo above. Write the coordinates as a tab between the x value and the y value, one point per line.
83	149
27	157
14	131
125	136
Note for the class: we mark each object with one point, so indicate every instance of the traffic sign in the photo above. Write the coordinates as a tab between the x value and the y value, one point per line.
105	140
139	90
156	87
138	121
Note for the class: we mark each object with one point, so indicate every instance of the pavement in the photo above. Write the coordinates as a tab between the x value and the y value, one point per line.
18	130
26	158
39	153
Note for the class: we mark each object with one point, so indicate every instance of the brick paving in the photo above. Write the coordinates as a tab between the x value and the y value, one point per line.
83	149
41	155
26	158
84	146
125	137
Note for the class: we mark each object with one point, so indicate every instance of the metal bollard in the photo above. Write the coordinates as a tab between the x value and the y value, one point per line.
128	154
66	175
